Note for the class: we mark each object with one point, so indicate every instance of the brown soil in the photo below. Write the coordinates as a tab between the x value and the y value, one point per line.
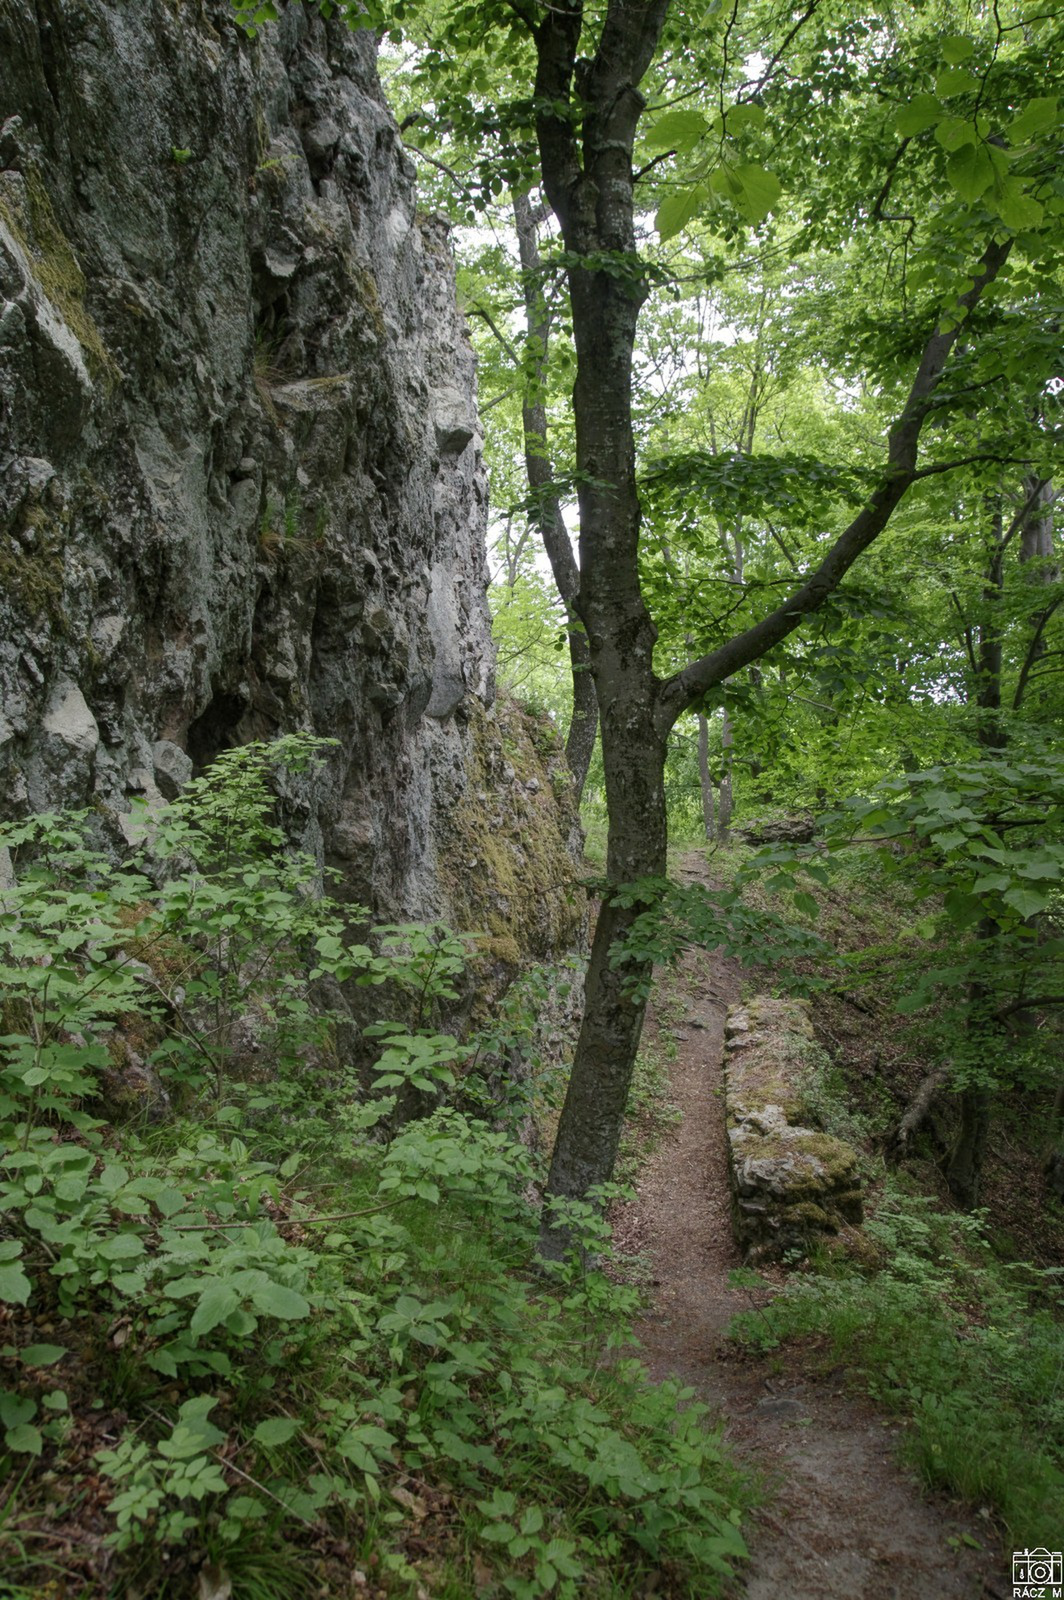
843	1519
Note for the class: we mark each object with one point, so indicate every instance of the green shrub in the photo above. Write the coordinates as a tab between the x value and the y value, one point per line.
282	1320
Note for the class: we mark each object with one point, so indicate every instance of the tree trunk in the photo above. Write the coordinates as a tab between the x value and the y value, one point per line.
593	1114
1054	1164
621	637
588	181
965	1169
727	741
705	777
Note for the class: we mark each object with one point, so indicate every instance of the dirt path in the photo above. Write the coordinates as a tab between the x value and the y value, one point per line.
845	1521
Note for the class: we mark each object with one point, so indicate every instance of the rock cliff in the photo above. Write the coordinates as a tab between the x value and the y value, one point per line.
241	488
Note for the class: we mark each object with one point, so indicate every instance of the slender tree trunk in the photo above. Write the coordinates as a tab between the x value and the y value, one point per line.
727	743
964	1166
1054	1165
621	637
583	728
705	777
965	1170
593	1114
1036	556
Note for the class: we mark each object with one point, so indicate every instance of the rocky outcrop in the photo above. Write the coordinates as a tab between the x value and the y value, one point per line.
791	1183
241	488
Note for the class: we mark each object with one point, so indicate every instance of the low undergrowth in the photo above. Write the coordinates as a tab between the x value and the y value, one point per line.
287	1339
969	1349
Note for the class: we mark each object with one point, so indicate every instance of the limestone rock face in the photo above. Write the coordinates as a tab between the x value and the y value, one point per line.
790	1183
241	489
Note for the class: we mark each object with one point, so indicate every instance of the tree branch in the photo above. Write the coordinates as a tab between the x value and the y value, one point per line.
679	691
1040	1003
1033	652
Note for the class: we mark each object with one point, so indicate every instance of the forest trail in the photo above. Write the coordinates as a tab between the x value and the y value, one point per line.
844	1521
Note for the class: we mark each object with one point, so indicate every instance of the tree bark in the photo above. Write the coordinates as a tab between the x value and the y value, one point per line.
965	1169
705	776
727	742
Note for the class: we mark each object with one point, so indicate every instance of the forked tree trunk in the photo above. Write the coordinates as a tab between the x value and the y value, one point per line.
587	110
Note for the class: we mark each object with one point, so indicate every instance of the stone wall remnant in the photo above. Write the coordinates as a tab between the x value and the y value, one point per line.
792	1184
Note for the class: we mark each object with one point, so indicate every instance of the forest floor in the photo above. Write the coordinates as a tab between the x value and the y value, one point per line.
842	1517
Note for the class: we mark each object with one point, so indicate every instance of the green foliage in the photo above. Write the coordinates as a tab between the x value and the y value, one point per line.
974	852
284	1316
969	1349
678	916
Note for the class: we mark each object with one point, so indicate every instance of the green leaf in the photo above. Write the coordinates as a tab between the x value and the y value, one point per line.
169	1201
121	1247
1037	116
498	1533
956	48
42	1355
275	1431
1016	208
15	1287
954	81
1028	902
24	1439
761	190
970	171
677	210
215	1304
241	1323
274	1300
806	903
747	115
922	112
953	132
676	130
15	1408
912	1002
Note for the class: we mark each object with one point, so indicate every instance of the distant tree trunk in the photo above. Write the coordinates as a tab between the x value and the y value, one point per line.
727	742
964	1166
965	1170
705	777
1036	555
1054	1166
583	728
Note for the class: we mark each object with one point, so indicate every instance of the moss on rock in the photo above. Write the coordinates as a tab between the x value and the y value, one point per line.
503	863
27	209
